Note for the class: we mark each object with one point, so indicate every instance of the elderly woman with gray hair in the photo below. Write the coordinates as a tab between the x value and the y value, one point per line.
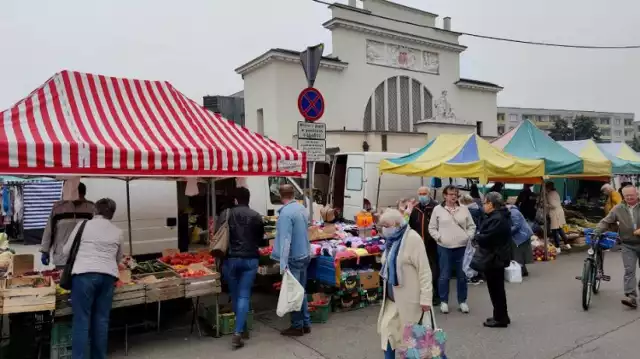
494	255
407	280
95	273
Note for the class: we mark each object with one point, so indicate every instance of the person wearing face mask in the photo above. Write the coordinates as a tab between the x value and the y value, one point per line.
419	222
406	274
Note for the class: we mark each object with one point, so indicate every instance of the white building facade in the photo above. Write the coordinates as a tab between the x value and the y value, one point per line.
388	85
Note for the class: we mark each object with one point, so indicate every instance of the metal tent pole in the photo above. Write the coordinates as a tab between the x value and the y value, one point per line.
378	192
545	213
129	218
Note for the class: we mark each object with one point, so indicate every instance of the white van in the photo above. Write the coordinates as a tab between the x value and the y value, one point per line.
355	176
152	203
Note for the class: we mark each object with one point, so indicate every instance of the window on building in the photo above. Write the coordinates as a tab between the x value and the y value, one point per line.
260	122
617	122
605	121
501	117
628	122
513	118
628	133
605	132
479	128
383	140
617	133
500	130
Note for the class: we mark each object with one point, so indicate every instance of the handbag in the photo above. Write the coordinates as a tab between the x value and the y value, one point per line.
65	277
482	259
220	244
423	342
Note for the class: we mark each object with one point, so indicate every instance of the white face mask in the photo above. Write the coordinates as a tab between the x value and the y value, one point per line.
389	231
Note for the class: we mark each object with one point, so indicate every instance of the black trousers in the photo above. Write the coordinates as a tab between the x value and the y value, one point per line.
432	254
495	284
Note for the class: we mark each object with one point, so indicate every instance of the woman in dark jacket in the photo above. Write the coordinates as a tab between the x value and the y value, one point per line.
494	240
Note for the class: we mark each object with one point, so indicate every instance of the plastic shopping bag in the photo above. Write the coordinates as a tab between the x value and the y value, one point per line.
466	261
513	273
291	295
421	341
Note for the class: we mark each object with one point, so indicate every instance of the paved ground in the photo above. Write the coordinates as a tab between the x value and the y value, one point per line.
548	323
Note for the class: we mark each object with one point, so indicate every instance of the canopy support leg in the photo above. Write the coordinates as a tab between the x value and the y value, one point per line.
129	218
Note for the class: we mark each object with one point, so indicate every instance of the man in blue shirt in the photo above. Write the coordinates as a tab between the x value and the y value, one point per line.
292	250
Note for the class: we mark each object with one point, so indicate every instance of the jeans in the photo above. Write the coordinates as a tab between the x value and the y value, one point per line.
495	284
301	318
240	274
557	235
449	259
389	353
91	300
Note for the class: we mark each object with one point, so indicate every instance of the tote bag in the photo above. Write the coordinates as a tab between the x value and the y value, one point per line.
423	342
220	244
65	277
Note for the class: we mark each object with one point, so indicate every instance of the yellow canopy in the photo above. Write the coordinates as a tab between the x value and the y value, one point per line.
594	160
463	156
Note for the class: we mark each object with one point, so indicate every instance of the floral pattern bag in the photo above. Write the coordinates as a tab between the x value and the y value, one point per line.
423	342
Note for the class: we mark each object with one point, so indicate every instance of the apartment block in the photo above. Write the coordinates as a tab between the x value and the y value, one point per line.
614	126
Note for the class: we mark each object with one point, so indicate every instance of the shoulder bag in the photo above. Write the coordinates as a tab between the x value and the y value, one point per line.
65	278
220	244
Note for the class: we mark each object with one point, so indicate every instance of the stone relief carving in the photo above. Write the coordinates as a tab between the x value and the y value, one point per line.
392	55
444	111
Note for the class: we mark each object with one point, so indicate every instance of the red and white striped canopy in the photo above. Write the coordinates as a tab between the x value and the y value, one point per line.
94	125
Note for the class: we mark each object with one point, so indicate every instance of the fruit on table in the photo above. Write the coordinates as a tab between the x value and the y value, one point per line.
186	259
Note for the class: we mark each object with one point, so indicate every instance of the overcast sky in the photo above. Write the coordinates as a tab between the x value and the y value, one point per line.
196	44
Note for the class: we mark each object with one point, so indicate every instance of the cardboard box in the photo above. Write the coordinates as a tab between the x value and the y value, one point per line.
22	263
369	280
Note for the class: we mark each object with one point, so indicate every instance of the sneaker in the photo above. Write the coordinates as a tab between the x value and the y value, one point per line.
464	308
306	330
444	308
567	246
236	341
630	301
246	335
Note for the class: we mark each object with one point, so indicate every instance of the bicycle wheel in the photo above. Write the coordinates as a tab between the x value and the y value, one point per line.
596	281
587	277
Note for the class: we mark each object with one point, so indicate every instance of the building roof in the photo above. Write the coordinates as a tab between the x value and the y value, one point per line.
478	85
503	108
287	55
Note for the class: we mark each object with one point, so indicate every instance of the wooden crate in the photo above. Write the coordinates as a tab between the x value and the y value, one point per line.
201	286
161	286
129	295
25	299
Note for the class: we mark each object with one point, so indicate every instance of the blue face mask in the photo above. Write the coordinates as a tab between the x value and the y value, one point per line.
389	231
424	199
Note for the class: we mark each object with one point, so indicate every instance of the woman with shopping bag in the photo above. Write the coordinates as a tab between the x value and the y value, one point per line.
407	281
494	255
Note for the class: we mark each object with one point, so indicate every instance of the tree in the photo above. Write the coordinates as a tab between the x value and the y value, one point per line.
561	131
585	128
635	144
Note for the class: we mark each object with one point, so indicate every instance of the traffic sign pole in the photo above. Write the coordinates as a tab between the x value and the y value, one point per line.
310	60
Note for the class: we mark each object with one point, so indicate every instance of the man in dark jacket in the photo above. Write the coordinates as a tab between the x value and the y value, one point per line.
246	235
419	222
494	242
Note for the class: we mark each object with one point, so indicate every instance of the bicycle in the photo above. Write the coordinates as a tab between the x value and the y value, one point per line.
593	270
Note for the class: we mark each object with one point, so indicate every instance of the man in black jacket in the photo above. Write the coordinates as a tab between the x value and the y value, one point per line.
246	235
419	222
494	242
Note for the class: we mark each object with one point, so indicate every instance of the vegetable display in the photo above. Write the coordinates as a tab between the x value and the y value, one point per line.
185	259
148	267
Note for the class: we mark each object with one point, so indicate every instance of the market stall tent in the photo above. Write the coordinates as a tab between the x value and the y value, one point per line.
468	156
625	159
593	159
528	141
93	125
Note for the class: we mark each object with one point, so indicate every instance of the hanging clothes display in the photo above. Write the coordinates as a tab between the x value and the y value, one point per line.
39	198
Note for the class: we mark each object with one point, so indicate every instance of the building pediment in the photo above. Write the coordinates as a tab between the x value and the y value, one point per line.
392	34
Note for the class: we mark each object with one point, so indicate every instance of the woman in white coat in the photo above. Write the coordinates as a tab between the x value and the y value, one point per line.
407	280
